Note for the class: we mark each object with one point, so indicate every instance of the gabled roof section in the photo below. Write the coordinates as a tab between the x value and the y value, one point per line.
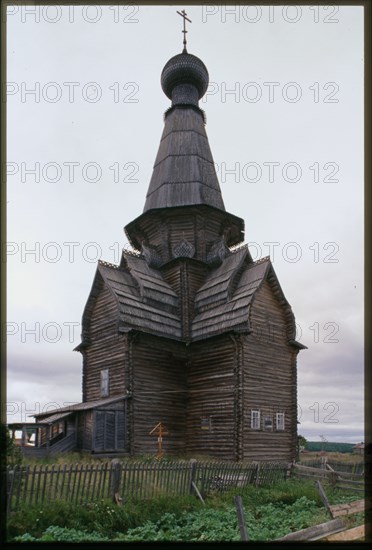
223	301
144	300
184	172
153	308
153	288
218	284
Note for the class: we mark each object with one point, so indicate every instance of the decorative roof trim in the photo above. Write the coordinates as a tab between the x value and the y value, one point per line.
186	106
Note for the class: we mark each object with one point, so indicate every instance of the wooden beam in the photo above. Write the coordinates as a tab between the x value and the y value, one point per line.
355	533
316	532
311	469
324	498
241	518
351	507
197	492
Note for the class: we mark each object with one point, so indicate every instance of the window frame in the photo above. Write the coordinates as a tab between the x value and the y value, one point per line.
270	418
105	383
280	424
255	419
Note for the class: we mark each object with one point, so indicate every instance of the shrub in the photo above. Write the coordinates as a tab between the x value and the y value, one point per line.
101	516
265	522
13	453
63	534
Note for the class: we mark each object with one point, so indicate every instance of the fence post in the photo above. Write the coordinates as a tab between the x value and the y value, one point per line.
241	518
323	496
193	463
116	478
257	474
333	478
9	479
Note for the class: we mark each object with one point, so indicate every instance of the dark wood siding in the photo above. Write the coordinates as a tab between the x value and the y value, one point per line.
159	394
106	350
212	382
185	276
269	380
85	430
201	226
110	428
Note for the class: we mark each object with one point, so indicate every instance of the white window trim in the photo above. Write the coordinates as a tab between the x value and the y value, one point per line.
255	419
280	421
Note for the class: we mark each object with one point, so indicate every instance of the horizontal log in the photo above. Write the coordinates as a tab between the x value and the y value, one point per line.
308	469
339	486
350	482
351	507
315	532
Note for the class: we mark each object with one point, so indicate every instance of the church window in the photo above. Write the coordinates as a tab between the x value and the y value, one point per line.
104	383
280	421
268	422
255	420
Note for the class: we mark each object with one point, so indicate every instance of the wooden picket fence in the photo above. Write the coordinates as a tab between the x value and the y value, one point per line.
342	480
81	483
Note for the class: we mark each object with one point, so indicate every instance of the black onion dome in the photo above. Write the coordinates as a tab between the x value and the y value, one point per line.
184	68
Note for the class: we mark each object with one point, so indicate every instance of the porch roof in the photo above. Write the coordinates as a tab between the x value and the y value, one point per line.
86	405
55	418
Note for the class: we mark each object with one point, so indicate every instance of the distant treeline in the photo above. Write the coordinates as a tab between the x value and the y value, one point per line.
329	446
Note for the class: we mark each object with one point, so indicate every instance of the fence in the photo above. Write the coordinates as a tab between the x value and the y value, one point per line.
81	483
350	467
342	480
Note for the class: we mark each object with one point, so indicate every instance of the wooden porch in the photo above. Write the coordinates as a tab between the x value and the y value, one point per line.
57	434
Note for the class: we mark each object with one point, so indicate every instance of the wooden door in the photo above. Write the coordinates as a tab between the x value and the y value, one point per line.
109	431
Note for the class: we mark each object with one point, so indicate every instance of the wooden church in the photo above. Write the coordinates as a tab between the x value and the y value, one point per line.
188	330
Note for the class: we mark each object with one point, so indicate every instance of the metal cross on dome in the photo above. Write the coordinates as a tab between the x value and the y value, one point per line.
183	14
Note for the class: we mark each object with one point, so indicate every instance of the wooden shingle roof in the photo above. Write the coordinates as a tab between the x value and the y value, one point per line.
145	301
85	406
184	172
223	302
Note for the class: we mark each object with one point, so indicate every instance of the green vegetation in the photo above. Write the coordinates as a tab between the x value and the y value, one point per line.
317	446
266	522
270	511
13	453
302	441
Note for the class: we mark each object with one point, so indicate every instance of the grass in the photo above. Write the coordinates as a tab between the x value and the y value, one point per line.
338	457
88	458
101	516
271	512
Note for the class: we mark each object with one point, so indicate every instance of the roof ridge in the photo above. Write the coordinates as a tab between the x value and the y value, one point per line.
261	260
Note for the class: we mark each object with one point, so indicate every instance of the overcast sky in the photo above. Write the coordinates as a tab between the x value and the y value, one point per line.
285	124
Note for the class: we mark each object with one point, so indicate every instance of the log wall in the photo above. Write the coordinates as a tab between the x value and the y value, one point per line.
185	276
269	380
203	392
85	431
211	406
200	225
106	350
159	387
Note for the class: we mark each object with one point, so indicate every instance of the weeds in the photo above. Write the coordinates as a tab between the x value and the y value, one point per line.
266	522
